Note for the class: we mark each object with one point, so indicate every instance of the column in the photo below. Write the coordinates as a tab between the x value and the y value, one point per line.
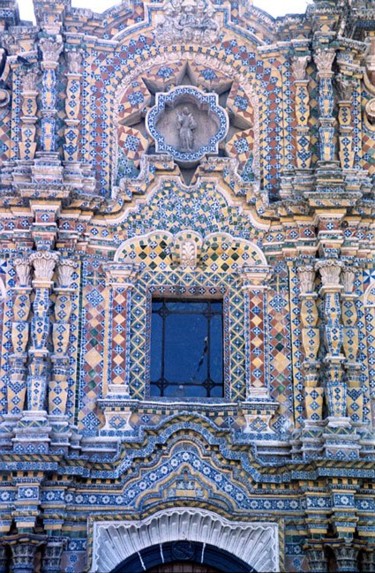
346	558
324	58
52	555
16	390
351	343
310	342
58	385
44	265
312	430
368	559
120	279
51	48
72	107
258	408
330	271
3	559
302	112
27	144
346	128
316	557
23	550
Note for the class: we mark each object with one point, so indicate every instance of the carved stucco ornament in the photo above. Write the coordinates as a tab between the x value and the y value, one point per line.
370	111
188	21
187	123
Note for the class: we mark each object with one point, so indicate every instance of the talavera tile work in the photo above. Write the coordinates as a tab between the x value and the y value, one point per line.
202	154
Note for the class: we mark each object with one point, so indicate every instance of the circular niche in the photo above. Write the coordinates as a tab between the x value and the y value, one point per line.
187	123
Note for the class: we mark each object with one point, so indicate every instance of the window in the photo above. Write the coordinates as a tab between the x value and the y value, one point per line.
187	348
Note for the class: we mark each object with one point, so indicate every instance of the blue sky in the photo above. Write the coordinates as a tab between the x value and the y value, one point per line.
275	8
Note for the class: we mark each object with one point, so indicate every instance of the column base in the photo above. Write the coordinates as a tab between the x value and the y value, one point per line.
32	434
341	441
258	413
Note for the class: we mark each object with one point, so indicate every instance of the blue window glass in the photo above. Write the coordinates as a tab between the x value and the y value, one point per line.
187	348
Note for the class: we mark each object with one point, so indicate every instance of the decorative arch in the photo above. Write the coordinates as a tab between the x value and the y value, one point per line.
183	552
3	291
217	251
369	297
253	543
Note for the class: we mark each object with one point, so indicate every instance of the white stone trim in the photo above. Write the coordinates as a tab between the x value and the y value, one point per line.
256	543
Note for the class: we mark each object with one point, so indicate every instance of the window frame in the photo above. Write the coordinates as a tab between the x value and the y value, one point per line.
209	383
202	292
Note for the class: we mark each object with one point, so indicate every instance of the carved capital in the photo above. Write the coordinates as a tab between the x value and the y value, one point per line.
299	67
65	272
370	111
29	81
121	274
74	61
330	271
23	270
345	87
44	263
51	49
306	275
255	277
348	278
323	59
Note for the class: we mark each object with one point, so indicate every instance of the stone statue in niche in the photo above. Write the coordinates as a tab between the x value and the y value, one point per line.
187	123
186	127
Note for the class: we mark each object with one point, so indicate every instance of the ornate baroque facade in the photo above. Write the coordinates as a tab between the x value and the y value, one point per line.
187	149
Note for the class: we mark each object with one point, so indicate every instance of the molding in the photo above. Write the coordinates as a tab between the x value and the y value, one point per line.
255	543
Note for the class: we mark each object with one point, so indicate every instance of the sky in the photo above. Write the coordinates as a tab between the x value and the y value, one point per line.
274	7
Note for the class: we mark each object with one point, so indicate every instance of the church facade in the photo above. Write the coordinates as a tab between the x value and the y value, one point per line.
187	281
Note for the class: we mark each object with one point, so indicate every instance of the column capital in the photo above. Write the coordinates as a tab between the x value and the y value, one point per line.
121	274
255	278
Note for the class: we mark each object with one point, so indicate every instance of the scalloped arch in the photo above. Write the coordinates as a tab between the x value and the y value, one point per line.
254	543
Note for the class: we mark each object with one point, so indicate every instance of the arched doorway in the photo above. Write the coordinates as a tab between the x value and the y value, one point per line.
183	557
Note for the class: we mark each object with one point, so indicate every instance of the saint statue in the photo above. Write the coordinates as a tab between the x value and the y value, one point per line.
186	127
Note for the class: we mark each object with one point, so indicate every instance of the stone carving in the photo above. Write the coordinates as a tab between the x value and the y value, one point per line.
370	111
299	67
187	123
307	277
330	271
51	49
258	541
324	60
188	20
29	82
74	60
186	127
23	271
65	272
188	254
44	264
348	277
345	86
